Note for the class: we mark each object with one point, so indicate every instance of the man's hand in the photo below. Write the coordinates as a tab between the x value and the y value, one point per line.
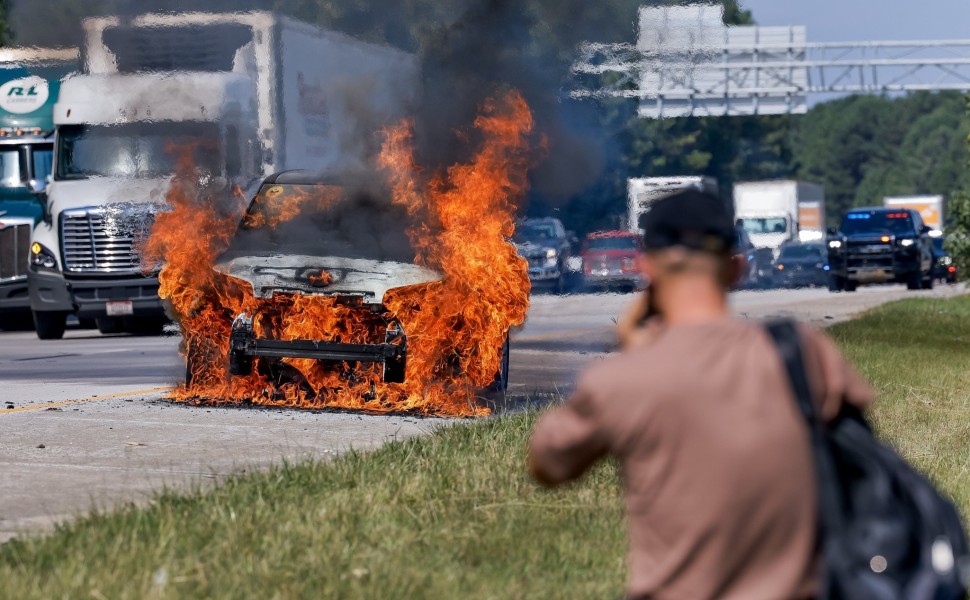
633	328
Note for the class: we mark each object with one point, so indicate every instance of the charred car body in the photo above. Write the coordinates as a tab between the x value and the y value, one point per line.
880	245
352	250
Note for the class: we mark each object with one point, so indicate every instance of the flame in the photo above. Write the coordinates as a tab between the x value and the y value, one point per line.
456	327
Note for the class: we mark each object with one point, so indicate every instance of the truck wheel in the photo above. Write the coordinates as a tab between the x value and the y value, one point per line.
836	284
50	325
915	281
928	281
850	286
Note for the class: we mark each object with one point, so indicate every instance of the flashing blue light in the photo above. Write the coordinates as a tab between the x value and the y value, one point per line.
858	216
826	268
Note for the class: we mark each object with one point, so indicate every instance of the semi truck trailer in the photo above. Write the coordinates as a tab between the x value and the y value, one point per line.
249	93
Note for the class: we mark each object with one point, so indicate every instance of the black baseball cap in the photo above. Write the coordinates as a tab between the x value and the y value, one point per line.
693	219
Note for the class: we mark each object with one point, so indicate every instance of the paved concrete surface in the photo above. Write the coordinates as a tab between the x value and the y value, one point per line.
83	421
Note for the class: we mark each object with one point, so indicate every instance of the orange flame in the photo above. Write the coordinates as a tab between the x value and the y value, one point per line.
456	327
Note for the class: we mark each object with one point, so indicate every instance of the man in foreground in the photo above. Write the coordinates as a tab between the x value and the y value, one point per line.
714	456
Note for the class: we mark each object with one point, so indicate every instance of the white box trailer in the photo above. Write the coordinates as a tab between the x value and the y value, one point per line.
772	211
254	93
642	192
929	207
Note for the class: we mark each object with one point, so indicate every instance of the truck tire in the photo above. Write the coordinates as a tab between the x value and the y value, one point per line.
851	286
928	281
915	281
50	325
836	284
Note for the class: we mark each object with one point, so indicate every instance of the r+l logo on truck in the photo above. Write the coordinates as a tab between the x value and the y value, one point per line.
22	96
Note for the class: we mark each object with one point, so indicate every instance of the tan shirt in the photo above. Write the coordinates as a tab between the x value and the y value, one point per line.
714	456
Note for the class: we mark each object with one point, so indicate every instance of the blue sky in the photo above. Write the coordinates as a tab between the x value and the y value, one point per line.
867	20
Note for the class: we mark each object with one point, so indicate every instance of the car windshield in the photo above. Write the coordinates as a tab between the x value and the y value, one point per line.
322	220
11	169
762	226
626	242
877	222
535	232
796	252
135	150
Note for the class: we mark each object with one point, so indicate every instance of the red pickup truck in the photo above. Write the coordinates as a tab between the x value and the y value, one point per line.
610	261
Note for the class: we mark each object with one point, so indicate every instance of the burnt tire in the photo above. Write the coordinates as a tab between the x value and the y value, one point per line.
501	382
240	365
50	325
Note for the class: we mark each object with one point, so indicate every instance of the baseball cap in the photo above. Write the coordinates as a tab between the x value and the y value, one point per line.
692	219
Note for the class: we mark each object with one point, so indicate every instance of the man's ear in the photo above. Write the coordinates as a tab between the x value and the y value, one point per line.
737	264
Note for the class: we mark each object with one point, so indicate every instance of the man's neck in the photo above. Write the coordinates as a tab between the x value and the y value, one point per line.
691	301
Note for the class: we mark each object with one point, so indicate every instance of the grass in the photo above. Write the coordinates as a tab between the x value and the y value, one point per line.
453	515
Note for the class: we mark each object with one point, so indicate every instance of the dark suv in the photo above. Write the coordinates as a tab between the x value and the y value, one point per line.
880	245
547	246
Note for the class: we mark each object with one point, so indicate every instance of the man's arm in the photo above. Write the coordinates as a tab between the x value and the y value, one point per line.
835	382
567	441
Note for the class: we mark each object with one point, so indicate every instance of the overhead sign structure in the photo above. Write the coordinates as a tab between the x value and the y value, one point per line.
686	62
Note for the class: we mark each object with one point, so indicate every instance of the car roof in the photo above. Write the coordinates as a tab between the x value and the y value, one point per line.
880	209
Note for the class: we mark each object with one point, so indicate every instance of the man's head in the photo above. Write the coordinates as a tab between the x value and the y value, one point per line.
690	235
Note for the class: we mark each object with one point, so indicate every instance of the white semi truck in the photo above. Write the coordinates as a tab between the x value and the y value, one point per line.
250	93
776	212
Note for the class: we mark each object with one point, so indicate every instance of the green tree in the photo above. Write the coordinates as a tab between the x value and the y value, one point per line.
958	236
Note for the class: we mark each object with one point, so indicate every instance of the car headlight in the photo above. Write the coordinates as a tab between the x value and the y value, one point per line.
551	253
42	257
906	243
835	244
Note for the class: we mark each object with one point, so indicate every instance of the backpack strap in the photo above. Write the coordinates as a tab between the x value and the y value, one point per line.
785	335
787	342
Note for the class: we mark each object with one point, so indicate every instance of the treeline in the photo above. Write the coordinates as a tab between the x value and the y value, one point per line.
861	148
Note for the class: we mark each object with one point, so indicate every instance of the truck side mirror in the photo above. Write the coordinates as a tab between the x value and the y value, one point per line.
832	230
925	229
38	187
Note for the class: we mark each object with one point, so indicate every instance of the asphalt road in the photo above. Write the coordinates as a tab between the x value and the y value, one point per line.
84	423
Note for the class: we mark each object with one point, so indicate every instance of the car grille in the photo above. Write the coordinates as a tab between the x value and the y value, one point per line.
14	246
88	248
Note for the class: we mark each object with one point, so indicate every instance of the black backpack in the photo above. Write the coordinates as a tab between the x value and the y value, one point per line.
884	530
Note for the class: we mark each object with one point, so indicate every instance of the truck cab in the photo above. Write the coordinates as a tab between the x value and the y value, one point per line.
118	142
29	84
880	245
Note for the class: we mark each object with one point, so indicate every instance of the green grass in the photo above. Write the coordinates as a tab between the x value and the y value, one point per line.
453	515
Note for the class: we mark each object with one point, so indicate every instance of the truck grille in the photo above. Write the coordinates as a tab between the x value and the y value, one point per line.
869	254
88	248
14	246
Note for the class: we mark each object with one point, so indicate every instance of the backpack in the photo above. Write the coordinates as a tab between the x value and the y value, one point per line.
884	530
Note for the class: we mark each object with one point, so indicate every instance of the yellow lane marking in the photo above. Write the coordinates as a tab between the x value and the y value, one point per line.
80	400
562	334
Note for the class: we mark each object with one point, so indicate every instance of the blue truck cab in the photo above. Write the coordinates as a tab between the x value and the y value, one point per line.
29	85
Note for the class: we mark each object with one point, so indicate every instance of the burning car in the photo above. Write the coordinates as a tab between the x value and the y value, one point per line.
319	262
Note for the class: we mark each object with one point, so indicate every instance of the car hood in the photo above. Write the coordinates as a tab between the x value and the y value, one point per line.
532	248
370	280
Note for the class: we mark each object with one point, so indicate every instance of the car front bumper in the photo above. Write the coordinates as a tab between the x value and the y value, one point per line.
88	298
